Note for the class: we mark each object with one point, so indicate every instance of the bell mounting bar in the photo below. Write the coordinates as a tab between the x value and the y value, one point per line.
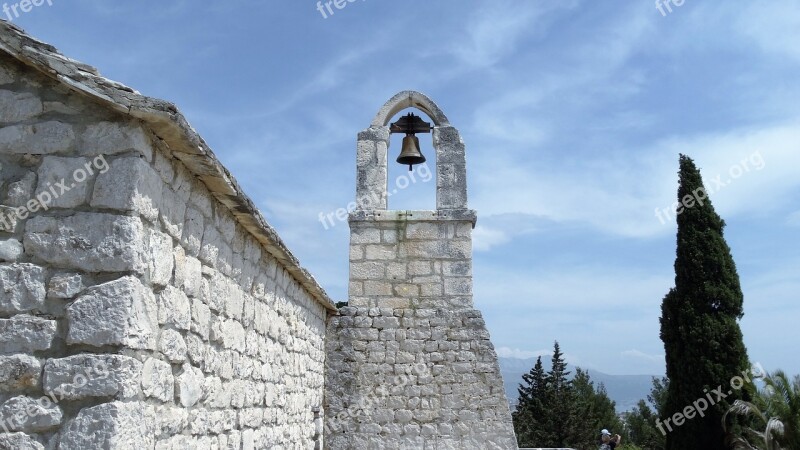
410	124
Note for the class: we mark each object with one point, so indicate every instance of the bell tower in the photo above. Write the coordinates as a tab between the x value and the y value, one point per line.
409	360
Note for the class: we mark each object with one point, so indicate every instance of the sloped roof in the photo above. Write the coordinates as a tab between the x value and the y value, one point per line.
170	125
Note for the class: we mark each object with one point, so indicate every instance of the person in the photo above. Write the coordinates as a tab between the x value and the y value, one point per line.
609	442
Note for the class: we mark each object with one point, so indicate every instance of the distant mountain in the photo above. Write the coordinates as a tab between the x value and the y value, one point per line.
625	390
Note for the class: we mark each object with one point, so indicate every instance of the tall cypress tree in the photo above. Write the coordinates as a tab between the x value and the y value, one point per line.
699	320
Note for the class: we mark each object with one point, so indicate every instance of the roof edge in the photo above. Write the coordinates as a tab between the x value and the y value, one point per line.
167	122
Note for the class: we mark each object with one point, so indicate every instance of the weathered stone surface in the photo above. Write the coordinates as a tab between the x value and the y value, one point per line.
160	260
120	312
129	185
189	386
7	75
90	242
30	415
194	224
110	426
87	376
157	380
65	285
173	346
42	138
194	277
56	174
18	441
111	138
174	308
21	191
19	372
18	106
26	334
201	318
9	219
21	288
10	250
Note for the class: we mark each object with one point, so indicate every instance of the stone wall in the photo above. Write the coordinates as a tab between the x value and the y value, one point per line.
135	309
410	362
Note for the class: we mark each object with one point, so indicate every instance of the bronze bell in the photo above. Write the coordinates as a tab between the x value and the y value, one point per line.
410	154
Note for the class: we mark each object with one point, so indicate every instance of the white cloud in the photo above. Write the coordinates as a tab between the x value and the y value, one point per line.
506	352
636	354
620	192
483	238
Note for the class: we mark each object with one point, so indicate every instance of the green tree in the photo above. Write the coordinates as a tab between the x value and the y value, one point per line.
530	412
775	411
592	410
641	428
641	422
558	400
699	319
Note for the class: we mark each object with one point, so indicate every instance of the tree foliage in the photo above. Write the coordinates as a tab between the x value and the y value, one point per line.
775	414
699	321
641	422
555	410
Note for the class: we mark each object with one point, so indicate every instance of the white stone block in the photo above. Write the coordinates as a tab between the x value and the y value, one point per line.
21	288
157	380
173	211
189	386
43	138
193	227
90	242
111	138
65	285
19	372
201	318
19	106
9	219
23	413
120	312
19	441
174	308
173	346
26	334
110	426
130	184
21	191
56	175
160	259
91	376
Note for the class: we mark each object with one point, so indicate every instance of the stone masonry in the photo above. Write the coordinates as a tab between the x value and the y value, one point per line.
144	301
409	361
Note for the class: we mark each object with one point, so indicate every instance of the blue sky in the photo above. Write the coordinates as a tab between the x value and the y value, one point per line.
573	112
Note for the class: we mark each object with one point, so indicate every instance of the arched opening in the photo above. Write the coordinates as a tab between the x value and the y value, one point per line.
415	189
